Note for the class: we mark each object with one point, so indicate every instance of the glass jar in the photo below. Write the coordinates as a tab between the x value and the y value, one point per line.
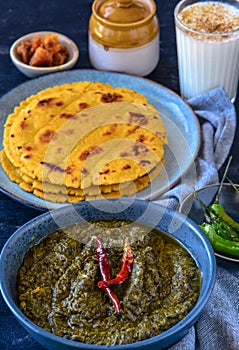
124	36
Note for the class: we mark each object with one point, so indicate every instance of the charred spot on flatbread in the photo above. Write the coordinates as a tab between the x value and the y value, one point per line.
111	97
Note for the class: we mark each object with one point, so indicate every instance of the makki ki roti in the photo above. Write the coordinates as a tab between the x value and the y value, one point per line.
78	140
62	194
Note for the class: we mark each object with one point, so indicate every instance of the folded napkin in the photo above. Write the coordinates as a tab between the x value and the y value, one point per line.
217	327
217	117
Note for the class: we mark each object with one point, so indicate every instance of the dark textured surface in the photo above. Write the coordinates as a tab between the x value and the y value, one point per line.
71	18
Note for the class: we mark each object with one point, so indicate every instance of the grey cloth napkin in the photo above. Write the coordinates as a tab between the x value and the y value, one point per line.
217	327
217	118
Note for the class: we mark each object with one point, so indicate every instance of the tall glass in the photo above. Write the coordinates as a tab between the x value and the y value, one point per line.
207	48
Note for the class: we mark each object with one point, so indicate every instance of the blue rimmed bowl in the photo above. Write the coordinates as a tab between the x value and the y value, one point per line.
173	223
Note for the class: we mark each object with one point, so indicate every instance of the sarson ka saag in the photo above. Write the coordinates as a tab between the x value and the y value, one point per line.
107	282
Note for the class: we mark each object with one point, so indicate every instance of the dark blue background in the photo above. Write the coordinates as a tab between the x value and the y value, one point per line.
71	18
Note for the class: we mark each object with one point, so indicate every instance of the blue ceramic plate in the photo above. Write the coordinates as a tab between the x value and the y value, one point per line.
180	121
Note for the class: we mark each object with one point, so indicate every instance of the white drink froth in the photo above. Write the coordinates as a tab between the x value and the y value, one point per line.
207	56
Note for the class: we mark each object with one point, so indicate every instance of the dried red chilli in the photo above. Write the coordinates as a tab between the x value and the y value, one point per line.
102	259
126	268
105	272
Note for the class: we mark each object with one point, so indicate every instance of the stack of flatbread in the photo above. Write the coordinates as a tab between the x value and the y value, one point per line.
82	141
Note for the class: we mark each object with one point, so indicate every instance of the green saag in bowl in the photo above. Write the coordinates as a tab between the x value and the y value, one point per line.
76	271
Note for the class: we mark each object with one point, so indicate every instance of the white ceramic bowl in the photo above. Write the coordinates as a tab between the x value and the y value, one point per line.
32	72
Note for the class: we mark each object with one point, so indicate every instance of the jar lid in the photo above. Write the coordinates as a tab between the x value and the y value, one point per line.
123	11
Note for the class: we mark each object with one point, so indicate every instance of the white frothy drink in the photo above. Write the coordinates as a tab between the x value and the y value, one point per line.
207	34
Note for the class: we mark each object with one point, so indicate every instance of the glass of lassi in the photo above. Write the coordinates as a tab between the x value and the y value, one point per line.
207	37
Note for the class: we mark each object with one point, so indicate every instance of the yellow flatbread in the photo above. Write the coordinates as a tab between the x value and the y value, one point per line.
83	140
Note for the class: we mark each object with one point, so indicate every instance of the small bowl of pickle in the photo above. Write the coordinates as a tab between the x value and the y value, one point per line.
43	52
